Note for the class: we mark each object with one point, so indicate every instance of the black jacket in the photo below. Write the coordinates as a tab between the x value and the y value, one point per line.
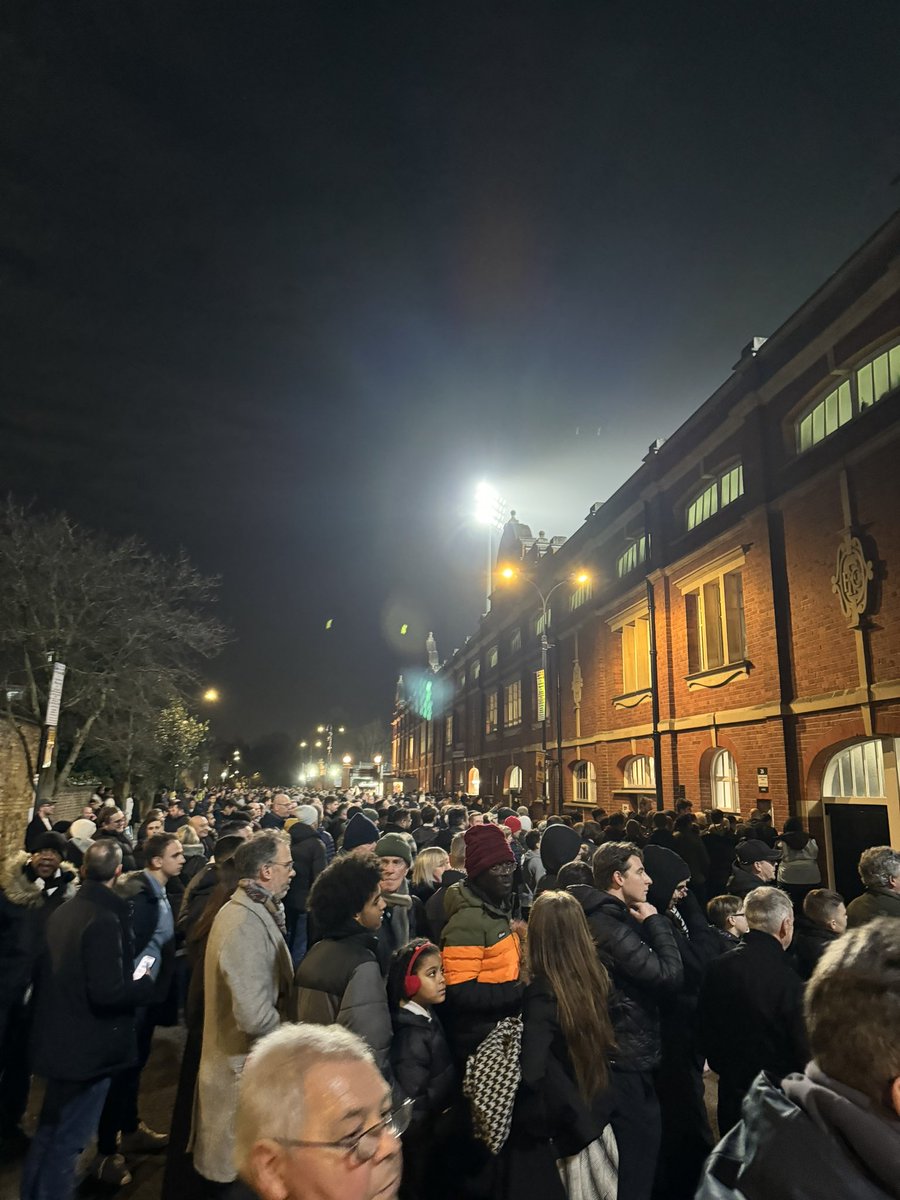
809	944
741	881
195	861
84	1026
25	907
422	1065
308	853
549	1104
778	1152
720	849
128	860
751	1012
435	917
643	963
35	829
424	836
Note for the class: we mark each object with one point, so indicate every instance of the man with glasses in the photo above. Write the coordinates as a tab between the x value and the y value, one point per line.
248	981
314	1119
481	947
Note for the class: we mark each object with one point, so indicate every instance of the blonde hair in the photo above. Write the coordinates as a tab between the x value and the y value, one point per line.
187	835
562	953
426	861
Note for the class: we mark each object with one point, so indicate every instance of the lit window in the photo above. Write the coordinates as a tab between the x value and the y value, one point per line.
513	781
461	679
724	782
714	613
636	654
512	704
857	772
492	657
542	622
640	773
585	777
448	731
515	642
475	669
474	784
630	558
490	719
581	595
722	491
866	385
411	748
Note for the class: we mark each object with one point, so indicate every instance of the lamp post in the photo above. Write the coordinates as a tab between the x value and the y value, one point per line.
329	731
581	578
490	511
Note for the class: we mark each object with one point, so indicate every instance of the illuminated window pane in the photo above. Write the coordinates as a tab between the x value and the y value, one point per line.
895	367
864	387
882	376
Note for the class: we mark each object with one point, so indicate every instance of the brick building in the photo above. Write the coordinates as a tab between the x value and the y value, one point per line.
739	641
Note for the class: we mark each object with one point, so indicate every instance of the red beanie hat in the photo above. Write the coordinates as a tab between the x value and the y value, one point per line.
514	824
486	846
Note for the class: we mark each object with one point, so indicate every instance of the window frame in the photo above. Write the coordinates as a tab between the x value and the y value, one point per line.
724	784
850	402
632	556
512	712
584	782
492	711
714	491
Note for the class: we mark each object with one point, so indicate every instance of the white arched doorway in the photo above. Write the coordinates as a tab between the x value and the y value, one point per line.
512	781
723	782
473	787
860	806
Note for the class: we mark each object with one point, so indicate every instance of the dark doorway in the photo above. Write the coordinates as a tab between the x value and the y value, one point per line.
854	827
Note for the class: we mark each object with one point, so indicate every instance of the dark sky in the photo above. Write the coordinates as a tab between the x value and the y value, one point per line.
279	283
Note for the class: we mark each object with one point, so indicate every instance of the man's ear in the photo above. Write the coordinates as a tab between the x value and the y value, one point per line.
266	1162
895	1095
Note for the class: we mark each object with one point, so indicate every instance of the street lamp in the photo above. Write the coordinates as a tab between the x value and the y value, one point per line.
211	695
329	730
581	578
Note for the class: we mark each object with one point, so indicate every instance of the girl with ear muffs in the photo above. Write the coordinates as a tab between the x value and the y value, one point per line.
420	1059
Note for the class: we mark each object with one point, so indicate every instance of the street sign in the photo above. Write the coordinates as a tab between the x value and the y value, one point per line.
54	696
762	779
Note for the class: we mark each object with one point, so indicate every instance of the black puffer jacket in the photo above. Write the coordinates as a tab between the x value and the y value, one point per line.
643	963
340	982
423	1067
308	853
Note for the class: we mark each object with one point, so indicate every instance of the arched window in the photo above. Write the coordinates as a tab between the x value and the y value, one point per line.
513	780
865	385
724	782
640	773
585	778
721	491
474	786
857	772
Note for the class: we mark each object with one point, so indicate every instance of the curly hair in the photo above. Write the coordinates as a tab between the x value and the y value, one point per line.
342	890
400	961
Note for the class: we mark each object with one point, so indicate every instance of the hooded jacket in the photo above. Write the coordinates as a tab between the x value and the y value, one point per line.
799	859
559	845
643	964
308	853
420	1057
340	982
25	906
809	1137
482	959
874	902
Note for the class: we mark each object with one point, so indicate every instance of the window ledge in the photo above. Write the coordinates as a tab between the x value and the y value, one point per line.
632	699
718	677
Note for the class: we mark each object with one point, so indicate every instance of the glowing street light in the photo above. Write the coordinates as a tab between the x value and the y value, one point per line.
211	695
346	760
489	511
378	760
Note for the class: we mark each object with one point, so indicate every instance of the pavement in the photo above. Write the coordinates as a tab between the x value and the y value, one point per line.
158	1083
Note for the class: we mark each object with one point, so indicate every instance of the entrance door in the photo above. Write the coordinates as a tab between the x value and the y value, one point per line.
852	829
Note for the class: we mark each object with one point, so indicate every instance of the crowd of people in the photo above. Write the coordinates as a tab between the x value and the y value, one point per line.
432	998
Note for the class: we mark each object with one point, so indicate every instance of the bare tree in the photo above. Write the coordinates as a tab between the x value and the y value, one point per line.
126	622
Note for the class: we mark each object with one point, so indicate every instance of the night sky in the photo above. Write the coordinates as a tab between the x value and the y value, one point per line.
281	282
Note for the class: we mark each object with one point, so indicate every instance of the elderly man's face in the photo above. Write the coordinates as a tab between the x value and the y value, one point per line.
283	806
45	863
341	1101
201	826
393	872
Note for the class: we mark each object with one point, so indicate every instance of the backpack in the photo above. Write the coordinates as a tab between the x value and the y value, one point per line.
492	1080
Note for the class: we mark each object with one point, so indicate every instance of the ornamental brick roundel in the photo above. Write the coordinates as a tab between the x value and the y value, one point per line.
851	578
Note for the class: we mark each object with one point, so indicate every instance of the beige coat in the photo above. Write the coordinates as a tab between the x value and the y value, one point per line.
248	980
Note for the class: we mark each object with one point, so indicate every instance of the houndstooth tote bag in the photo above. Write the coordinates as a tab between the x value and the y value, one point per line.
492	1080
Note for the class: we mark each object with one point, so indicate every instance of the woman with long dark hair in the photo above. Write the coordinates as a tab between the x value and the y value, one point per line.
562	1143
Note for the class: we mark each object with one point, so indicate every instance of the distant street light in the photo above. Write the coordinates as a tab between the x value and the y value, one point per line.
346	760
581	578
211	695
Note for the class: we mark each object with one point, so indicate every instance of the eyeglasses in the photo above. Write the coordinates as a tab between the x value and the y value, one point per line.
364	1146
276	863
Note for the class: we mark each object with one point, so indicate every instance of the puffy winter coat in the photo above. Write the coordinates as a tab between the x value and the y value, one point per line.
482	959
420	1058
340	982
643	962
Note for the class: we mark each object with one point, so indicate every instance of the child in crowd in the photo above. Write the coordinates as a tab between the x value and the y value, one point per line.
420	1058
562	1144
726	913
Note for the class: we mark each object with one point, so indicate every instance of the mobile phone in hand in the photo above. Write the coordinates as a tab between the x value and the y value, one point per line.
144	966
